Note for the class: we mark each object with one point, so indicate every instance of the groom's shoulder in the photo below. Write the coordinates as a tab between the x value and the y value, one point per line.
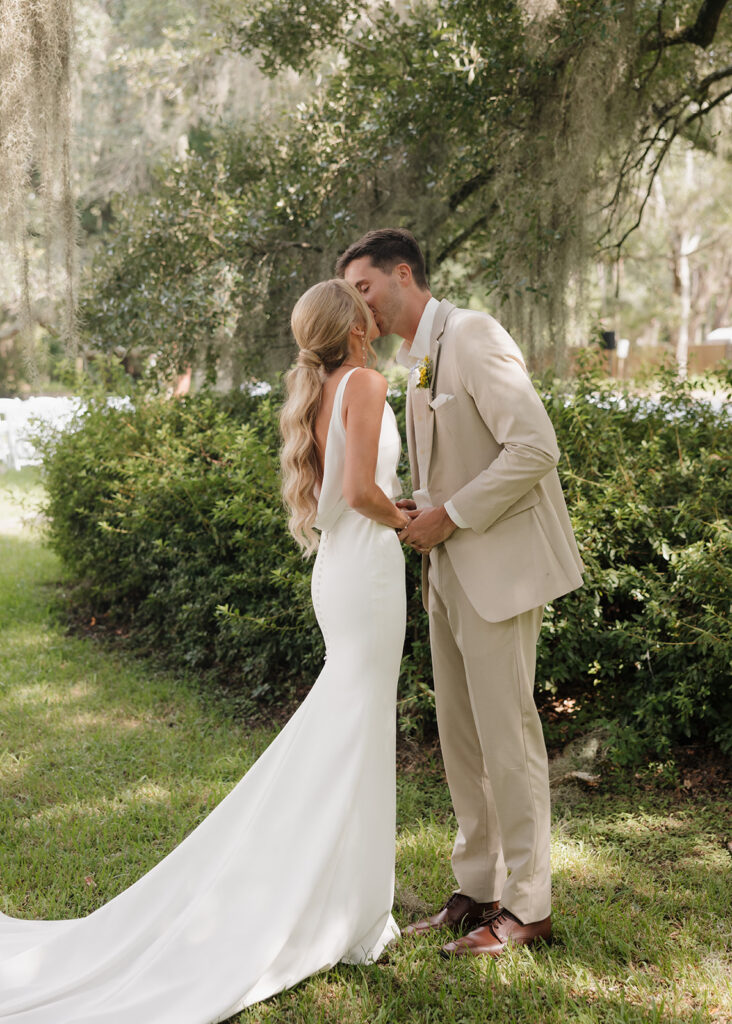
473	329
461	318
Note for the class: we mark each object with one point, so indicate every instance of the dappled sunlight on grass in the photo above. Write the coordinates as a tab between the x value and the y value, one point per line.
21	495
631	941
145	793
41	695
44	691
88	720
425	988
12	768
107	763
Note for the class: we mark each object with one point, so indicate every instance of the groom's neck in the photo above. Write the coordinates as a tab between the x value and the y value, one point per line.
413	310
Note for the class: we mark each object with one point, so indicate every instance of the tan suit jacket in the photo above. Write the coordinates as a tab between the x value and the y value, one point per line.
482	438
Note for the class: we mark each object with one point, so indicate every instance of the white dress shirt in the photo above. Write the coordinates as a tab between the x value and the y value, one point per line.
410	356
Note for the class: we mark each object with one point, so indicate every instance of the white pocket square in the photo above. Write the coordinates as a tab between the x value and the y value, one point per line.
440	400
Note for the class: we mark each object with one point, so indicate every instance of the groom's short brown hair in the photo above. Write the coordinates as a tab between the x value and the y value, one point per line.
385	248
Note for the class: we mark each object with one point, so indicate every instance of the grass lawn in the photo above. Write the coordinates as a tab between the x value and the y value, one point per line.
107	763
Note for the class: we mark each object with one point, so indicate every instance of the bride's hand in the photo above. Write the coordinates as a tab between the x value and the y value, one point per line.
412	513
429	526
406	503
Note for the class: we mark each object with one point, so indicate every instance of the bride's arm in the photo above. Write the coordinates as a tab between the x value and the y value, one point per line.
363	411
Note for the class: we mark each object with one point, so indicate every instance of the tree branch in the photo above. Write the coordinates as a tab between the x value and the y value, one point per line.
468	187
702	111
672	117
298	245
701	33
654	170
460	239
716	76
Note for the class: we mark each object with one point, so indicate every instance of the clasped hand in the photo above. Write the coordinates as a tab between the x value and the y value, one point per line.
428	526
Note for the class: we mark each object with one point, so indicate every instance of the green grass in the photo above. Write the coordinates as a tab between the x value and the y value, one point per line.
21	492
106	763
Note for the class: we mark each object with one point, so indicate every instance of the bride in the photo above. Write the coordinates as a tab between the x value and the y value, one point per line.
294	870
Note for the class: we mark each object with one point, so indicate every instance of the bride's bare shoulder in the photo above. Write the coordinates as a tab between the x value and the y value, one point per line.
366	383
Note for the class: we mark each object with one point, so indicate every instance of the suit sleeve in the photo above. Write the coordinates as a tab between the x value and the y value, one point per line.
493	374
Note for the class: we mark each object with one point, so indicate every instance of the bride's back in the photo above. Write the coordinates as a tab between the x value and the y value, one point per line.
325	411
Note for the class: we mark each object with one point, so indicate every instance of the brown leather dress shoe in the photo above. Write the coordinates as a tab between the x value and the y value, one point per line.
493	936
460	911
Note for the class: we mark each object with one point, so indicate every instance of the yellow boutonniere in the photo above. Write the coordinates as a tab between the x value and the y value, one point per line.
424	376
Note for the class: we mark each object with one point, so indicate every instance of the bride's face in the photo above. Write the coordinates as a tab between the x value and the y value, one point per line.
372	331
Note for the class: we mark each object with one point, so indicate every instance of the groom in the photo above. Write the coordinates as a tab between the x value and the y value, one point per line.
489	517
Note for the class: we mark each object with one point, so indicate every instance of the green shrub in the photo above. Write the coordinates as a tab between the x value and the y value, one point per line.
646	644
169	520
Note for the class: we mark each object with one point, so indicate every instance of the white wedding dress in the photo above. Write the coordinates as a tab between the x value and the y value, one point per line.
294	870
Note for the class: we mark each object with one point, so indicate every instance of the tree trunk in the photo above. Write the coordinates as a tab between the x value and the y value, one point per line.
688	246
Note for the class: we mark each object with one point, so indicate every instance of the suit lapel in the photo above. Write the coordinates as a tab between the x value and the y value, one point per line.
411	439
438	329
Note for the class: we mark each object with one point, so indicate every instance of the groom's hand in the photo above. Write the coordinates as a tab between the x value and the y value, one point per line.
408	504
429	526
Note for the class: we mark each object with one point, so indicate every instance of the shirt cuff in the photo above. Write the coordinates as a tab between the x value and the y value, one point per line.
455	515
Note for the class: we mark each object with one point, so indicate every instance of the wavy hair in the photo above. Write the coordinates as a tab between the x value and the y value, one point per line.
321	322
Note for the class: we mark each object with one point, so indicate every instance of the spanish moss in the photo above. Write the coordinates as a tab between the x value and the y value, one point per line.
36	55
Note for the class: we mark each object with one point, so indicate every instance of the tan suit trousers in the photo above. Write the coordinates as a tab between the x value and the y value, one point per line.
493	747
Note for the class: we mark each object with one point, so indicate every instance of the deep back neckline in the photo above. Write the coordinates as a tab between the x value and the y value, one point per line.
335	411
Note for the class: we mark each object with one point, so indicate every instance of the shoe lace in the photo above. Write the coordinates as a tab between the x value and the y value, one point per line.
494	916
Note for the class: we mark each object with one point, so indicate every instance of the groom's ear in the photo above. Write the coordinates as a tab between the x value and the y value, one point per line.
404	274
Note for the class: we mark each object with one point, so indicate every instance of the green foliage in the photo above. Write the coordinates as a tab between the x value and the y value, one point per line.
169	519
494	132
289	34
647	642
167	279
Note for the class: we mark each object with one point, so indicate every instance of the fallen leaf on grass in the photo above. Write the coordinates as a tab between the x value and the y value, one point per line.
584	777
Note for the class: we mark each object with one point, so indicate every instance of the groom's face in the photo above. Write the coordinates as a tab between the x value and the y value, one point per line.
382	292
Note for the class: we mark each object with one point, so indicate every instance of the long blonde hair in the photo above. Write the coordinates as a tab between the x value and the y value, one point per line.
321	323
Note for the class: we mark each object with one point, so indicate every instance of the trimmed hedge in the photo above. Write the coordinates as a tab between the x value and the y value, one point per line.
169	522
647	642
